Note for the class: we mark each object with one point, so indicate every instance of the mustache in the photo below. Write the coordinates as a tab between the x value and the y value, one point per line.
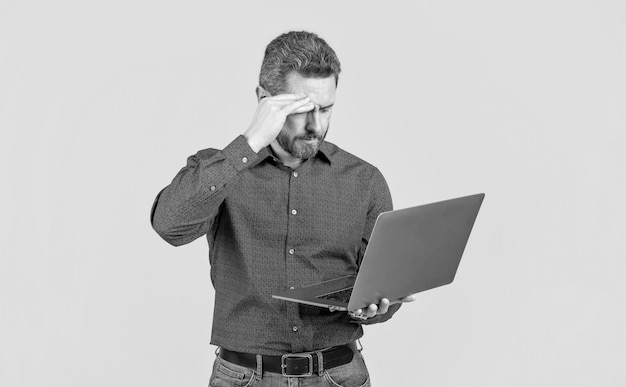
308	137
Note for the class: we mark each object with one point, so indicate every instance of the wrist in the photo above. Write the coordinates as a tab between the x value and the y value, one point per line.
254	145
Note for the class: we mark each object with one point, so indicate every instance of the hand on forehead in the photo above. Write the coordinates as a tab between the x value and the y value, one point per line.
321	91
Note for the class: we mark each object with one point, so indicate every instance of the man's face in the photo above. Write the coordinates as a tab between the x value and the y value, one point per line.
303	133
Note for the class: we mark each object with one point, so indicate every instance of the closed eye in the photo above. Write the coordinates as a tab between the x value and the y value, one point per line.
325	109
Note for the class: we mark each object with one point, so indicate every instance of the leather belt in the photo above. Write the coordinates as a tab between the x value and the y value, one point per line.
295	364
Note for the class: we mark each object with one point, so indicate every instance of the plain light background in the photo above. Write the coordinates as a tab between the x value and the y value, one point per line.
101	102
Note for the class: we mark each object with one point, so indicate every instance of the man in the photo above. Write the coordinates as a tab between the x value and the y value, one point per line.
281	207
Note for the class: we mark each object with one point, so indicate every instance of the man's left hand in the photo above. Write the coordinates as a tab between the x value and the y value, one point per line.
374	310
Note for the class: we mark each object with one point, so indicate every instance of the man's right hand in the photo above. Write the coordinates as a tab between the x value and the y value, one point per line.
270	117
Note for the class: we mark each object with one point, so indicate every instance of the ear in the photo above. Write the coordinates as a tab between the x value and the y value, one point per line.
261	93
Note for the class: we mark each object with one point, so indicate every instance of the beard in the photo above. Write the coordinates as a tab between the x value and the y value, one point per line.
298	148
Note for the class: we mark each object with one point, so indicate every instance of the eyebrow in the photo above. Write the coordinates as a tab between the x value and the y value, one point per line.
326	107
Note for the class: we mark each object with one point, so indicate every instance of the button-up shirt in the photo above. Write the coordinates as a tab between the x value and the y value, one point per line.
270	228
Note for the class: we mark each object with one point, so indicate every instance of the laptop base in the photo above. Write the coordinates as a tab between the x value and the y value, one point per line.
310	295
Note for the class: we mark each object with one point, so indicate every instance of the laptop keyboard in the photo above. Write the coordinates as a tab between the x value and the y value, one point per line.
341	295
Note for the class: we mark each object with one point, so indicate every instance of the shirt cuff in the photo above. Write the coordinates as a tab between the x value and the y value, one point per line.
239	154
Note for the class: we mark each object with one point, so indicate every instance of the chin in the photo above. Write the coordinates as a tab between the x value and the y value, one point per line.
305	151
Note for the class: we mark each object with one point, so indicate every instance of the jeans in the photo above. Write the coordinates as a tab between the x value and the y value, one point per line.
353	374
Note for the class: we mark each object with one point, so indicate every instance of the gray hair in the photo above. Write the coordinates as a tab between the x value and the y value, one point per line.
299	51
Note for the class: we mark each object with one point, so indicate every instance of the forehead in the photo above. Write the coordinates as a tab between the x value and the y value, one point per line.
320	90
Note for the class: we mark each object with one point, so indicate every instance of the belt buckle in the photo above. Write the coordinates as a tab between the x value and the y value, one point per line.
283	365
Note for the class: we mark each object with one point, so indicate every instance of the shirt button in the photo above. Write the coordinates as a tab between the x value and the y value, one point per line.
294	212
212	188
295	174
245	159
294	328
291	251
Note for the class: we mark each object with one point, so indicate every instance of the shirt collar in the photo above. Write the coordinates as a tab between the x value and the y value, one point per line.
326	152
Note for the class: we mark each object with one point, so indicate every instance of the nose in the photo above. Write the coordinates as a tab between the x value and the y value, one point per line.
313	120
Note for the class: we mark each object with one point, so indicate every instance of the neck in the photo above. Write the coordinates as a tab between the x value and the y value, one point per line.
287	158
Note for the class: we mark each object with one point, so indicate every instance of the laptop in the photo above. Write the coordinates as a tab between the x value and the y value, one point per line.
410	250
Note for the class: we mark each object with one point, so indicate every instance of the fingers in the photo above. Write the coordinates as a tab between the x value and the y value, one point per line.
410	298
282	100
355	313
270	116
304	109
288	104
384	306
371	311
280	97
358	314
299	106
